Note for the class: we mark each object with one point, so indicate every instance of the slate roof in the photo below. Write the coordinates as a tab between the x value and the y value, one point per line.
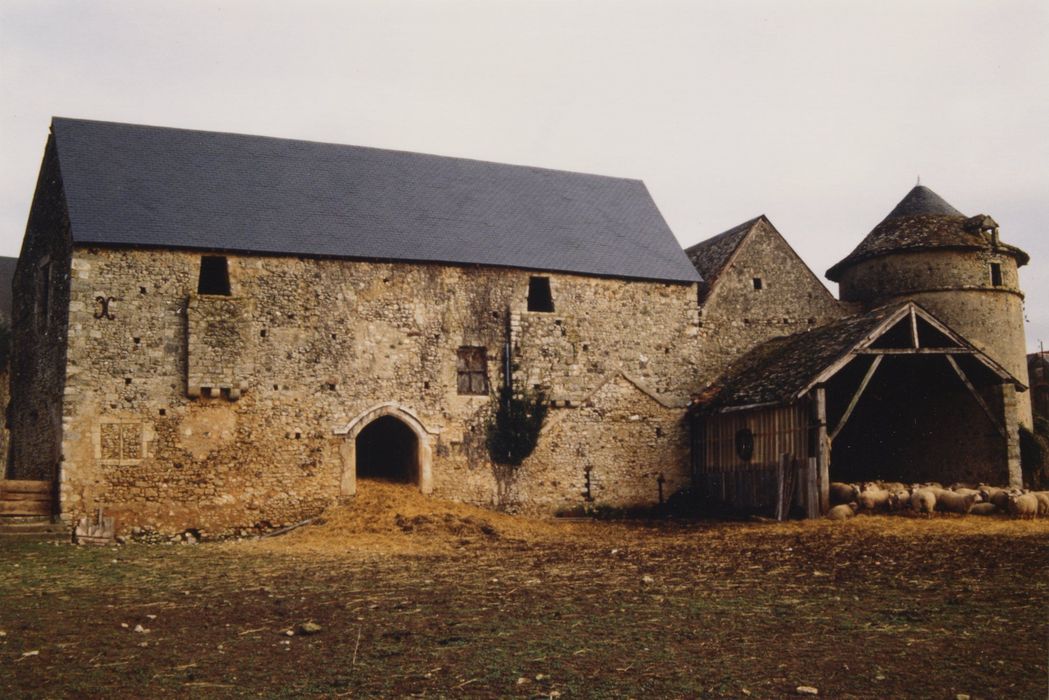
145	186
776	370
710	257
923	220
7	278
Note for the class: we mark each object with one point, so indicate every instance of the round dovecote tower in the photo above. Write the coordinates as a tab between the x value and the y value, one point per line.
955	266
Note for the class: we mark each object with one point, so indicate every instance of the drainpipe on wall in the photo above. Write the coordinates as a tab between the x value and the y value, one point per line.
507	376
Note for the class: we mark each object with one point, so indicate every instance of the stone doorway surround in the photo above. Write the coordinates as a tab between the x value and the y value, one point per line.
348	451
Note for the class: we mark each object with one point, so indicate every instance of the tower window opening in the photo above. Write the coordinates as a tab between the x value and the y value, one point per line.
539	297
996	274
214	275
758	283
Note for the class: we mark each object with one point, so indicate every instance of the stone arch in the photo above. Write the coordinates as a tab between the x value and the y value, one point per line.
348	451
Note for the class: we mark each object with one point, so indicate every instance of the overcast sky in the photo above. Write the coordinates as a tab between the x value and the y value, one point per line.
819	114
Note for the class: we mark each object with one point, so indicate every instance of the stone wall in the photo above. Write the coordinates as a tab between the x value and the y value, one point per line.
955	285
38	339
304	348
736	317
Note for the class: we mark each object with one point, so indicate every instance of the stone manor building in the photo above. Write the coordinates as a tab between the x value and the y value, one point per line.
216	331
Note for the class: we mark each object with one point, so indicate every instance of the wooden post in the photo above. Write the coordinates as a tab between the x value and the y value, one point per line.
822	449
781	475
810	489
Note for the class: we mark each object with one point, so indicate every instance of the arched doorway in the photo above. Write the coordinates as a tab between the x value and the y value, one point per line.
398	450
387	449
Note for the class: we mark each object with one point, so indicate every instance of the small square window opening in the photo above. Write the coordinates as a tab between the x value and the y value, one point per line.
539	297
214	275
758	283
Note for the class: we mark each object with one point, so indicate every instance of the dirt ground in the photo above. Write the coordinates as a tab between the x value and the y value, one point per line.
415	596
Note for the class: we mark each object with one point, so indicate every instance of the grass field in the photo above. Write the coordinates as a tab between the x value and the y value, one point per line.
416	596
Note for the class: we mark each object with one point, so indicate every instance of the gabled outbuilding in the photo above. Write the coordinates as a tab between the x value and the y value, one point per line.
892	393
755	287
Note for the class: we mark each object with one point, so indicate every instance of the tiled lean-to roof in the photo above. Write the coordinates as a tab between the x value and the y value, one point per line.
145	186
923	220
778	370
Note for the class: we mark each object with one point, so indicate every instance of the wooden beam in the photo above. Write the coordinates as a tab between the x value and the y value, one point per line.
916	351
781	477
914	329
856	397
810	489
976	395
860	347
822	449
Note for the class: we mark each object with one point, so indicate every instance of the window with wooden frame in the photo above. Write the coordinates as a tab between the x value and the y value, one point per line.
472	371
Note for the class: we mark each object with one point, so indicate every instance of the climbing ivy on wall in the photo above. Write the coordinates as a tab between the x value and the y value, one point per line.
513	431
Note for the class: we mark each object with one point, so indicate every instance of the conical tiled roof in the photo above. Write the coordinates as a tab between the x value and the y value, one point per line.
923	220
921	201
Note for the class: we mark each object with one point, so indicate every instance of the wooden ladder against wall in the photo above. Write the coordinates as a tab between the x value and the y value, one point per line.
24	499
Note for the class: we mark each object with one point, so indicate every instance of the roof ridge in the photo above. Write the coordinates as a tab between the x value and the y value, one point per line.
378	149
133	185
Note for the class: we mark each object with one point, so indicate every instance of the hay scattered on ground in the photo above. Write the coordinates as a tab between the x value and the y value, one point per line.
398	519
392	519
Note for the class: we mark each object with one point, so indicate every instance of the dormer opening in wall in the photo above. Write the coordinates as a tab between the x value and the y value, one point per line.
996	274
214	275
539	297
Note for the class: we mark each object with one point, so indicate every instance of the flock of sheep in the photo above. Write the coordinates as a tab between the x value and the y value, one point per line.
880	496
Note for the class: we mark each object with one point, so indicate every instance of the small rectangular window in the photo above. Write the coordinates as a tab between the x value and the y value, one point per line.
539	297
996	274
758	284
472	370
214	275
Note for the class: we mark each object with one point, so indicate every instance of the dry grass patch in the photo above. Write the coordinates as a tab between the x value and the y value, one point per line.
415	596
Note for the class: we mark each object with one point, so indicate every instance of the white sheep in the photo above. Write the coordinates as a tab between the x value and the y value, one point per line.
965	491
990	493
1023	506
900	499
873	499
1043	502
984	509
923	501
842	512
951	502
1000	498
843	493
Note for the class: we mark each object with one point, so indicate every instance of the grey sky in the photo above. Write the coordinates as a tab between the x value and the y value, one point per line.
818	114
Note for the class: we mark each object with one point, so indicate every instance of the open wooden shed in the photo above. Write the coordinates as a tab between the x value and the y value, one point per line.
891	394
